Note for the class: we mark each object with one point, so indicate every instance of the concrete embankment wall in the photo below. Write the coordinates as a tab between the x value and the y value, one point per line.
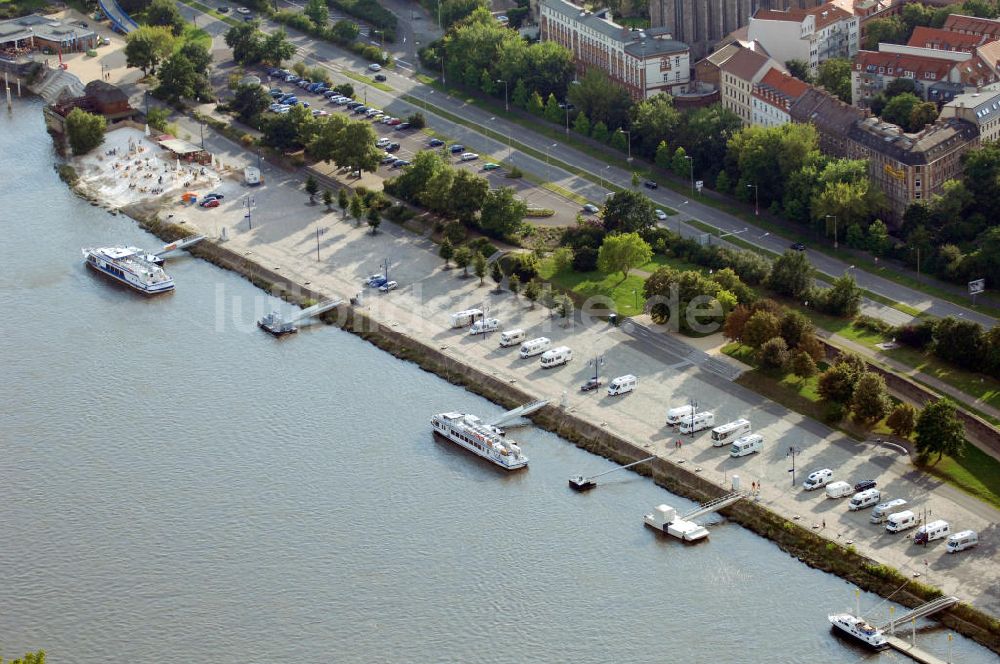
796	540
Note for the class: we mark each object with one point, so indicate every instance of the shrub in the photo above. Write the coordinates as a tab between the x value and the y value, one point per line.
483	246
872	324
455	232
916	335
773	354
524	265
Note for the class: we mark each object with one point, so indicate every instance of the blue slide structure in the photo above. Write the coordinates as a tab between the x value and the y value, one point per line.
121	21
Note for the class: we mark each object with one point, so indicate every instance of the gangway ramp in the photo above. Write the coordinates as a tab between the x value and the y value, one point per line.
520	411
180	244
581	483
314	310
922	611
713	505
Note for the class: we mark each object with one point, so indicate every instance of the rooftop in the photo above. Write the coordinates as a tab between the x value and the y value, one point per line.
823	15
898	64
945	40
43	27
983	105
776	84
639	43
829	114
972	24
913	149
744	64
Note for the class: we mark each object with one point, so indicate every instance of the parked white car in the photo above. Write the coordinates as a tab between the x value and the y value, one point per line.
469	156
388	286
375	66
382	142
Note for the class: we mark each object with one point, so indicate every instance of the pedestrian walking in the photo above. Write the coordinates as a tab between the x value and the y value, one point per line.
824	523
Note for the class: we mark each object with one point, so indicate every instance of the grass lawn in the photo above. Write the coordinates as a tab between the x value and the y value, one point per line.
659	260
589	284
196	35
976	473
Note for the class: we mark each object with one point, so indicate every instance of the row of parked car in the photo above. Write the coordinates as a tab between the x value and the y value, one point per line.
865	494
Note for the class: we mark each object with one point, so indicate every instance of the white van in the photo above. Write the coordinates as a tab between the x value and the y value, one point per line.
900	521
511	337
818	478
882	510
747	445
726	432
556	357
675	415
622	385
484	325
962	541
697	422
932	531
535	346
467	317
863	499
838	489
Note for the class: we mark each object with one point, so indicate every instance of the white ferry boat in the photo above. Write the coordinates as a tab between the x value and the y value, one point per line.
130	266
859	629
480	438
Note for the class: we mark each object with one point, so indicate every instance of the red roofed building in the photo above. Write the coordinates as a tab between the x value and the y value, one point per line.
970	25
945	40
874	70
773	95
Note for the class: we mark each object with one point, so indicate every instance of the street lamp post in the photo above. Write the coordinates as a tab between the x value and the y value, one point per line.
756	199
547	173
567	119
628	137
834	229
691	164
793	452
506	104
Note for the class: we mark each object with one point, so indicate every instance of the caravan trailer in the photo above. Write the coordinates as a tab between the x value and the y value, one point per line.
883	510
466	318
726	432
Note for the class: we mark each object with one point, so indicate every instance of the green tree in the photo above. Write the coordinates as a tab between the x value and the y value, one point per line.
622	253
467	195
680	164
939	431
514	284
532	291
878	238
773	354
899	109
581	124
374	219
437	194
412	183
791	274
599	131
802	365
800	70
343	201
496	273
654	120
664	157
345	30
618	141
328	200
463	256
178	79
165	13
446	251
553	113
793	326
357	208
520	95
317	12
275	48
562	259
535	104
84	131
198	55
249	102
836	384
502	213
487	83
761	327
722	183
924	113
600	98
312	188
479	267
870	401
147	46
564	306
157	118
628	212
842	298
890	30
902	420
29	658
347	143
245	40
736	322
835	75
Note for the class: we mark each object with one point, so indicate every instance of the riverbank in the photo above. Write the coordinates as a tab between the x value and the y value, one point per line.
799	541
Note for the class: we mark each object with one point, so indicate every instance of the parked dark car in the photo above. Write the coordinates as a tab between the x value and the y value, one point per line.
591	384
798	246
864	485
360	109
402	126
380	78
392	147
456	148
435	142
649	184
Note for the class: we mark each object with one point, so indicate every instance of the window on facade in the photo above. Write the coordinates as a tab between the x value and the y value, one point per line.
881	70
664	64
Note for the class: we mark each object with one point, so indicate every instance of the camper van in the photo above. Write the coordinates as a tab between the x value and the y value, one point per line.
818	478
622	385
838	489
466	318
900	521
932	531
556	357
747	445
727	432
962	541
484	325
535	346
511	337
252	176
864	499
883	510
675	415
697	422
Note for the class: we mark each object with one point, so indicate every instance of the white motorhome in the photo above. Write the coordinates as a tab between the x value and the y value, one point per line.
962	541
465	318
818	478
883	510
934	530
675	415
484	325
252	176
622	385
534	347
556	357
863	499
511	337
727	432
900	521
697	422
747	445
838	489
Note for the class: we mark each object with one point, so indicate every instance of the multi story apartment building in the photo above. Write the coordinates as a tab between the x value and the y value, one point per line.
738	75
810	35
979	108
971	25
644	62
773	95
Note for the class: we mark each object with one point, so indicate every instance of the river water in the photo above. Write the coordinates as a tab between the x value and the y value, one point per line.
175	484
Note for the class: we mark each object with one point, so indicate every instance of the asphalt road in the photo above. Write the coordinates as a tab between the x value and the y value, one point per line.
403	82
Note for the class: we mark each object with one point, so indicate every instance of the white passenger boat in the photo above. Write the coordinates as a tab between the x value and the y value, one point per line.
860	629
480	438
130	266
